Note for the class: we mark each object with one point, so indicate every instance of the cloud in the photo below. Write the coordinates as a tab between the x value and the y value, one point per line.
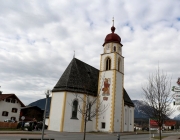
38	39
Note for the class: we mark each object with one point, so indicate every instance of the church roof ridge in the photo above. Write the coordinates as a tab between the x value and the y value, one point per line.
78	77
86	64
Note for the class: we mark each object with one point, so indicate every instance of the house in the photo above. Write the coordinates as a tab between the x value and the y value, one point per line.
169	124
30	112
41	104
80	81
10	106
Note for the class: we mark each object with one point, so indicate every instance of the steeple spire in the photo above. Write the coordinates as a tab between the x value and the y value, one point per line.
74	54
113	28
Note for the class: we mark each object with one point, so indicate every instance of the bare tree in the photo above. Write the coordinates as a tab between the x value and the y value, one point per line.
90	106
158	97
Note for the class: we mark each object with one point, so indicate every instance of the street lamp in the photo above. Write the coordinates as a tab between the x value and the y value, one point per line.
47	93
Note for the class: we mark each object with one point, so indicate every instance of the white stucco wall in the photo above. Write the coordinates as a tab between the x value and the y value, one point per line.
106	116
131	127
72	125
121	69
118	102
109	48
56	111
90	124
75	125
7	106
128	118
126	121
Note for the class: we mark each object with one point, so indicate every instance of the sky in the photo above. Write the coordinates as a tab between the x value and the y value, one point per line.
38	39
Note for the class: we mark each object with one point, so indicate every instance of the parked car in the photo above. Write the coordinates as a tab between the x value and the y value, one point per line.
28	126
9	120
145	129
31	126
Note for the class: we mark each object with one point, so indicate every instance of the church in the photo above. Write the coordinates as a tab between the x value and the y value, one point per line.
103	89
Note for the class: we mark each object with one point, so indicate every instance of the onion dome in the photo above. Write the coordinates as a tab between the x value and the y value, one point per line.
112	37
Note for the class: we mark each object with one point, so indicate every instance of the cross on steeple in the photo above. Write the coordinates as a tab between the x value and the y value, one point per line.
74	54
113	21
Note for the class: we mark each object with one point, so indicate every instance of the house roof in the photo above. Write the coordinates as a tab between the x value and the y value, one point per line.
27	107
82	78
78	77
5	96
170	123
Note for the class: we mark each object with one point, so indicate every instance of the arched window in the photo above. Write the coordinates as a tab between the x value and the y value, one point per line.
118	64
89	112
108	64
114	48
74	109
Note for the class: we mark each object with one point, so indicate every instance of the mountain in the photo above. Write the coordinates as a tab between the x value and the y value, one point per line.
177	117
41	104
138	110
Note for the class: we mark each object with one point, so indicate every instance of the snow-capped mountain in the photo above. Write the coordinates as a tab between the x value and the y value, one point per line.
177	117
139	107
138	111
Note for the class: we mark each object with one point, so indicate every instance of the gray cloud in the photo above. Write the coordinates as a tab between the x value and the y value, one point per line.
38	39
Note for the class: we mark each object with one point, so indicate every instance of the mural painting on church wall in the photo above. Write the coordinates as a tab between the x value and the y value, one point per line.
106	88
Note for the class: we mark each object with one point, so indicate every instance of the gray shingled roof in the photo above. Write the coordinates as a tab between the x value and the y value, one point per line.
82	78
79	77
127	99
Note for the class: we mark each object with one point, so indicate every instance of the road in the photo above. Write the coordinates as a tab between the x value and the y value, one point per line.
78	136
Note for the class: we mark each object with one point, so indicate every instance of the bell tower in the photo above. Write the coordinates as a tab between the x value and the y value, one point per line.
110	86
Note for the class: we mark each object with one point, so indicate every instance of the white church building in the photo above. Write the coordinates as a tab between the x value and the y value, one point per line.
80	81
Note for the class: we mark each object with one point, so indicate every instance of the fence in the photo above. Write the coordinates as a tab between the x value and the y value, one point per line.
8	125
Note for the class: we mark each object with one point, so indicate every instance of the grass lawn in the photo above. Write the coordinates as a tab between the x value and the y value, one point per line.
10	129
157	137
